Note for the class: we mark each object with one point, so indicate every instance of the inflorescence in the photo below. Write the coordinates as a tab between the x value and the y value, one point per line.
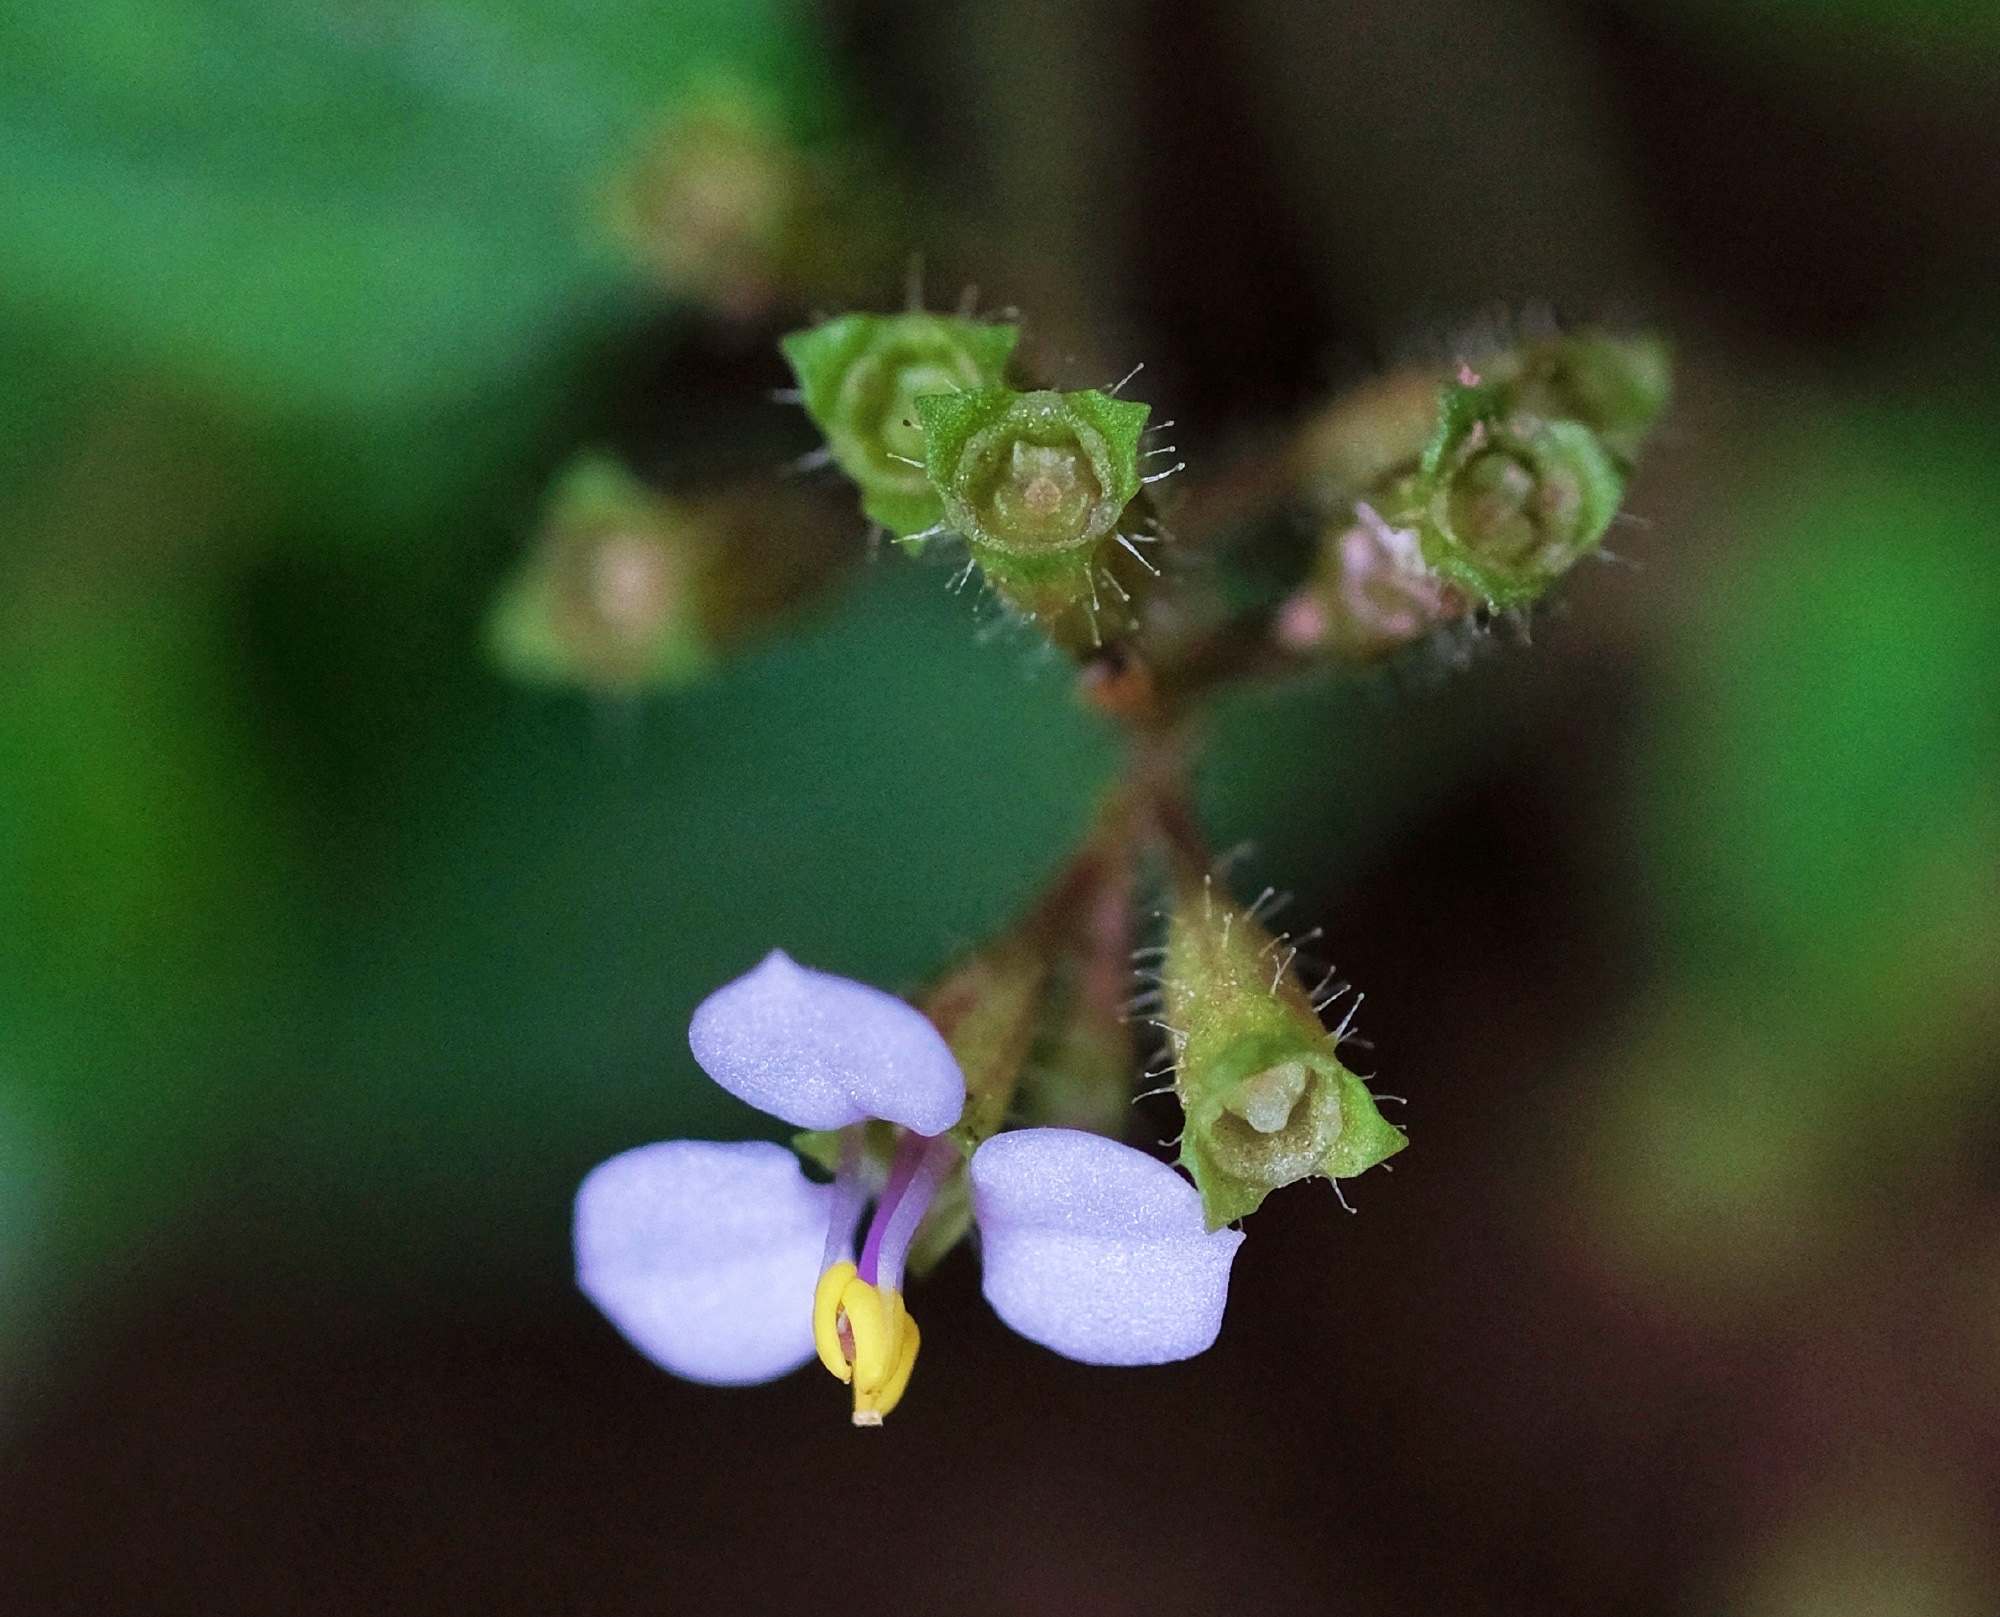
1428	503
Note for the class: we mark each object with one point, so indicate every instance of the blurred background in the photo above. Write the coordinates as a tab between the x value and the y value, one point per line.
330	959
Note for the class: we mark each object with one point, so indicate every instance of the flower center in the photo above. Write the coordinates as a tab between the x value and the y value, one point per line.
862	1331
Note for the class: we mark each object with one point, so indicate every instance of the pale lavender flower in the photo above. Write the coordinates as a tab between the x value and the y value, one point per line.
723	1263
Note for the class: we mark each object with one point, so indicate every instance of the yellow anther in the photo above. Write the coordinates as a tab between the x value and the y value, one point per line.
875	1320
869	1408
865	1336
826	1320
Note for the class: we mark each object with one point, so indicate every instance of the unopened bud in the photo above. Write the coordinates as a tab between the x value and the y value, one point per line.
1366	436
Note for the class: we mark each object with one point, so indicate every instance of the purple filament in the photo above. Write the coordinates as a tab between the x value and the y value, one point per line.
920	1167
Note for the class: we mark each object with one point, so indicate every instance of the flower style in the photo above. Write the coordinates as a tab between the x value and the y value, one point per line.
724	1263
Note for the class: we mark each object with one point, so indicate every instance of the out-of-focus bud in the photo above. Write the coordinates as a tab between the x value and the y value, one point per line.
1266	1097
1366	436
627	589
860	377
1045	488
1510	500
712	202
1616	385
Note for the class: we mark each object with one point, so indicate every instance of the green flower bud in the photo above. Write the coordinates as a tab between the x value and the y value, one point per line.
1019	1014
1038	484
861	377
627	589
1267	1099
1508	503
989	1009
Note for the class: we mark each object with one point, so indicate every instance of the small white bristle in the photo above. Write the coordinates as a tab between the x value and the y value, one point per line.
1137	556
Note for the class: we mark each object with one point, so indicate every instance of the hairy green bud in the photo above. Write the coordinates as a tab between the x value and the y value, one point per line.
1079	1075
1267	1099
1507	502
1038	484
861	378
1026	1018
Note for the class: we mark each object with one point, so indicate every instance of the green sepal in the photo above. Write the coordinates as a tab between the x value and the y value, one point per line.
1267	1100
1462	409
861	377
610	595
974	444
1508	503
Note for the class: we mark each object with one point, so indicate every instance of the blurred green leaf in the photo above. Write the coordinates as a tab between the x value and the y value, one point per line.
1820	797
1825	789
150	916
26	1175
354	205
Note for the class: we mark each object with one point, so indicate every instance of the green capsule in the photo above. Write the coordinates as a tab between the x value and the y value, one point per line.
861	377
1268	1101
1038	485
1506	503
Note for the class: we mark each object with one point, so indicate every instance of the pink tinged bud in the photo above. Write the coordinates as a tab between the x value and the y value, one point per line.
1096	1250
1301	624
823	1052
705	1255
1383	581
